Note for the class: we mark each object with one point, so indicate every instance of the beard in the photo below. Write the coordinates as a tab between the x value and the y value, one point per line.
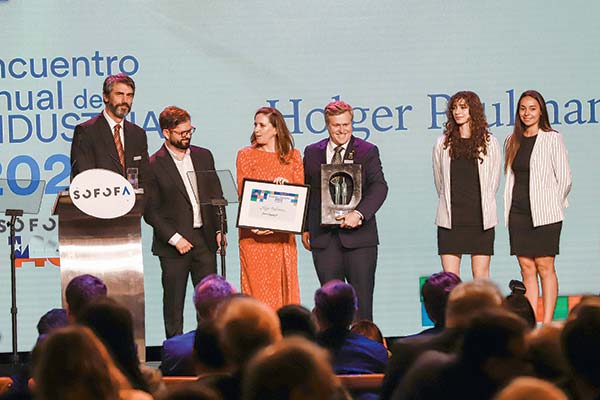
120	110
180	144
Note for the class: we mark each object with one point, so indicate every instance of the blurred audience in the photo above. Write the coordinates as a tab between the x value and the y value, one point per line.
580	342
352	353
207	354
545	355
463	302
112	323
435	292
293	369
53	319
80	291
245	326
518	304
176	355
529	388
73	365
297	320
492	354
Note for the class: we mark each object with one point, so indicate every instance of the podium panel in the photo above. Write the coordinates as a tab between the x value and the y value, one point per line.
110	249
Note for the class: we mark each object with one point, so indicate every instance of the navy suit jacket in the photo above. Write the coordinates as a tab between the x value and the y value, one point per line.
94	147
374	192
168	206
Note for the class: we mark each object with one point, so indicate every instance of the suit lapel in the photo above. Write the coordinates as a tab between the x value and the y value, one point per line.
168	165
323	151
128	142
350	150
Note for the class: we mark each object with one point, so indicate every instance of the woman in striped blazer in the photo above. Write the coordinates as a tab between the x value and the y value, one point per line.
467	163
538	180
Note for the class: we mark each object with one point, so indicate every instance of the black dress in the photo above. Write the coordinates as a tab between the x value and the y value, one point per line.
525	240
467	235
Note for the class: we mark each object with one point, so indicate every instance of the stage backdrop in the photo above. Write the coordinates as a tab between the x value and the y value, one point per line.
396	62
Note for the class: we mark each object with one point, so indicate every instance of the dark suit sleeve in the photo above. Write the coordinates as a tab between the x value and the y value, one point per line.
82	151
376	187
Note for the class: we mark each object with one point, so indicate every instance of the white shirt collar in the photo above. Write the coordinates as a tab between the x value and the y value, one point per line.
176	155
112	122
331	146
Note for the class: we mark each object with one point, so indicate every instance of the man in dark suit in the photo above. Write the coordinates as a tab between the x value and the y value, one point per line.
185	229
348	251
108	141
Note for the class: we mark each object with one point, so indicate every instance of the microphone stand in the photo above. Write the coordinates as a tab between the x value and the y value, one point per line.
13	214
220	204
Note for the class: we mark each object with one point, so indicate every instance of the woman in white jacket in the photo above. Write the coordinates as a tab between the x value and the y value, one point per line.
538	180
467	164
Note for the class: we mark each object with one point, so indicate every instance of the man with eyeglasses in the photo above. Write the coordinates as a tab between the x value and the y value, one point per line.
108	141
185	232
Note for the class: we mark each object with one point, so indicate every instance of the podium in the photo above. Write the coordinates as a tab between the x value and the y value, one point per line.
110	249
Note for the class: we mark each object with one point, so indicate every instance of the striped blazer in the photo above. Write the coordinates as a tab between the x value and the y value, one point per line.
489	178
549	180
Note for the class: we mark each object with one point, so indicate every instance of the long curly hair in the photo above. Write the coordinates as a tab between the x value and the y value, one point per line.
472	149
513	142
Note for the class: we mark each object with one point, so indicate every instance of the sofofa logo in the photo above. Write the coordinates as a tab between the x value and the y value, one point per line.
102	193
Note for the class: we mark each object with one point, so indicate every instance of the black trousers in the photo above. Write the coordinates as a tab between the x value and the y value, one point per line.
198	262
355	266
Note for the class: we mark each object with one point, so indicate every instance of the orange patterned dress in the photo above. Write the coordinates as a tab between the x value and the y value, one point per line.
269	263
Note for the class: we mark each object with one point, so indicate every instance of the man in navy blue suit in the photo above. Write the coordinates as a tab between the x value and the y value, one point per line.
347	252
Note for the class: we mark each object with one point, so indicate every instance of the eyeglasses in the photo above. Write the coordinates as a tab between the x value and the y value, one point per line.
185	133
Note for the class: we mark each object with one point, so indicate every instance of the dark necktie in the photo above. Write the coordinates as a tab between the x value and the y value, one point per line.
119	145
337	156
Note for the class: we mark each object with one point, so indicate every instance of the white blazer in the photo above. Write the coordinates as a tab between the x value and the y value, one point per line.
549	180
489	179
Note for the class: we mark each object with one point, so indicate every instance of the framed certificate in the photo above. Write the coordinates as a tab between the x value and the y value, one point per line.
265	205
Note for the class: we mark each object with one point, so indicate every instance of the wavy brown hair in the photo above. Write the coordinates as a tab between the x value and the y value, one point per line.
471	149
513	142
284	143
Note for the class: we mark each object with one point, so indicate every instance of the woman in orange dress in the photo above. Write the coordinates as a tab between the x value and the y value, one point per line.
269	260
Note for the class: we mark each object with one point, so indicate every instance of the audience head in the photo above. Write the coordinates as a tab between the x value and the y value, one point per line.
297	320
519	304
435	292
53	319
494	343
335	305
209	293
246	325
544	353
587	300
368	329
73	364
113	325
580	342
294	368
208	355
80	291
470	297
529	388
